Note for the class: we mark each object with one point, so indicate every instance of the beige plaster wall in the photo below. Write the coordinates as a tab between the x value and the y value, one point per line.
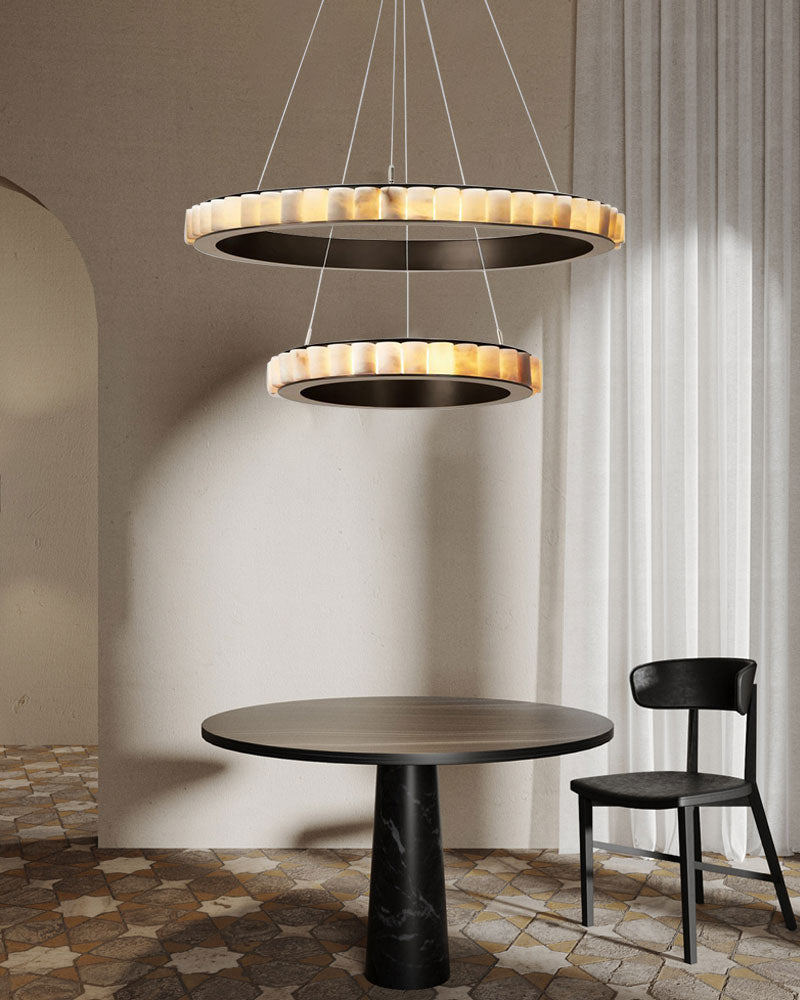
48	484
254	549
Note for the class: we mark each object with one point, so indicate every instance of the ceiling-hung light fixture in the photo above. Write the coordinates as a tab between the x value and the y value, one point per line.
404	227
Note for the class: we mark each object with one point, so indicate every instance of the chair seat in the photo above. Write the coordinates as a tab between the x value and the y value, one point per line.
661	789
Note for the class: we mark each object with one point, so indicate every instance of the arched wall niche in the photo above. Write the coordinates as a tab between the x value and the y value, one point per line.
48	465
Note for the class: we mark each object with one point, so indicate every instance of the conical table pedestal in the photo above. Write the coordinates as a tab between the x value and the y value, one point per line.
407	738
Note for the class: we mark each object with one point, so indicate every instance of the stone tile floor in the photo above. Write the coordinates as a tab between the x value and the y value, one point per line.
277	924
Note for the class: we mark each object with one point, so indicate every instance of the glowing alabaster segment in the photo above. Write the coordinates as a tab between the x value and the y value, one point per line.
367	203
315	205
605	215
509	365
415	357
612	222
465	359
340	359
341	204
318	361
577	219
273	375
498	206
447	204
473	205
291	205
488	361
285	367
544	209
535	373
393	202
388	358
188	234
217	213
619	229
522	208
441	357
269	203
563	211
299	360
251	210
419	204
363	359
593	217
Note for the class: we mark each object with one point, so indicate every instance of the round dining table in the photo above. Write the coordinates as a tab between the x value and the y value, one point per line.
407	738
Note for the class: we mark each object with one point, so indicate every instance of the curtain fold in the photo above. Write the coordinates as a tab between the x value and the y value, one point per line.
682	461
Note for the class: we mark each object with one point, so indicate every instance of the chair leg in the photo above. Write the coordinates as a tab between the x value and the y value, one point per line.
686	840
587	862
772	859
698	856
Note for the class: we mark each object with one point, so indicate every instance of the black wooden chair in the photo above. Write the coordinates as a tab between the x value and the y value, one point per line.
714	683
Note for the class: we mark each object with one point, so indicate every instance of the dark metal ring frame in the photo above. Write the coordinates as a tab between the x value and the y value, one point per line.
404	391
530	246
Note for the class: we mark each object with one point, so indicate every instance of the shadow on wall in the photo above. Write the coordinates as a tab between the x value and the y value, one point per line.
48	451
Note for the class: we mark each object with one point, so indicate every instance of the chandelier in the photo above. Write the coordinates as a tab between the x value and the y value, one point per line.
399	226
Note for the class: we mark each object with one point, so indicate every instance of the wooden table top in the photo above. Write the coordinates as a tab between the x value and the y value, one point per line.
411	730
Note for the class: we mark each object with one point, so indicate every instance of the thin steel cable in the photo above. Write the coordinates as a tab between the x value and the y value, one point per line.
288	99
441	87
363	88
344	172
405	166
460	168
405	98
390	172
522	97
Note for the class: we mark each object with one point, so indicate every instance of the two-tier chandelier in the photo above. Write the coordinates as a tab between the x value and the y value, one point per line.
408	228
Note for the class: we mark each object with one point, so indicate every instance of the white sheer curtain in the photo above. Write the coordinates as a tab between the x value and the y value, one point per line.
682	533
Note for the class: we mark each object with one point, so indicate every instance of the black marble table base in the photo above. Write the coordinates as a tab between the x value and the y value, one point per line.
407	932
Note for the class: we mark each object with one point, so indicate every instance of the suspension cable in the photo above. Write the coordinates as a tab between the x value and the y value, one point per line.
522	98
289	98
460	168
344	172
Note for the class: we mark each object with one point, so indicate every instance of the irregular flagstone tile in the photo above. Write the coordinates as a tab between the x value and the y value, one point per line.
331	989
87	906
529	958
230	906
677	984
481	883
533	884
249	931
352	960
36	931
632	973
782	971
569	988
155	986
248	864
112	973
188	930
745	988
646	931
215	884
512	987
129	946
48	988
204	960
279	973
224	988
40	959
290	948
340	929
127	865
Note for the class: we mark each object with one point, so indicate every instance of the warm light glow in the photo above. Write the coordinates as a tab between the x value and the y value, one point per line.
405	203
413	358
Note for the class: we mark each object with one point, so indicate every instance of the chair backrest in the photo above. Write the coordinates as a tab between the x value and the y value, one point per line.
721	683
